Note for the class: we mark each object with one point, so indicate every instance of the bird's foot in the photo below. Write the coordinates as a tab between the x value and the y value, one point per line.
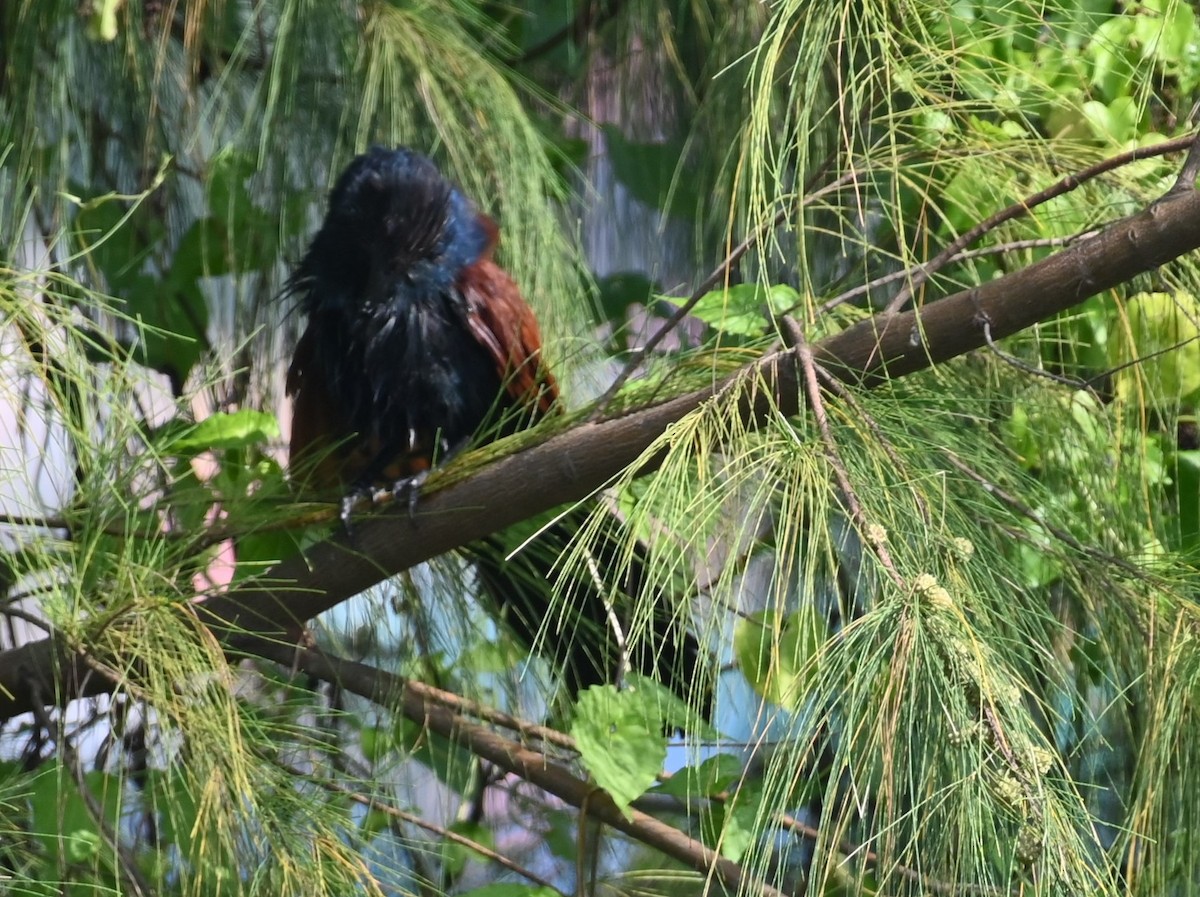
406	490
409	490
358	493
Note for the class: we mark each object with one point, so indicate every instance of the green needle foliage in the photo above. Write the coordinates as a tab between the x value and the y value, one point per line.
951	616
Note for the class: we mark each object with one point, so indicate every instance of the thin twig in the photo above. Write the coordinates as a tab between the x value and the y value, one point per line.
387	809
985	322
964	256
1025	511
525	729
26	617
1189	171
1066	185
993	724
32	521
816	401
1150	356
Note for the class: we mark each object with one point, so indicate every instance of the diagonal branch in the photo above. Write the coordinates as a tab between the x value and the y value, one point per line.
531	765
575	463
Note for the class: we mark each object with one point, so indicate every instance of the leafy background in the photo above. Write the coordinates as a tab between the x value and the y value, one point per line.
982	679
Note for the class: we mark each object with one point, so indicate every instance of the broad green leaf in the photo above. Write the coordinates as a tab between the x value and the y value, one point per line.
375	743
374	822
61	819
653	700
454	855
1166	31
732	826
619	743
648	171
174	795
82	845
1038	568
102	24
1163	337
203	251
780	656
117	240
450	762
174	316
540	21
1113	58
1117	121
234	211
713	776
561	838
221	430
228	195
1074	23
617	292
1187	477
747	309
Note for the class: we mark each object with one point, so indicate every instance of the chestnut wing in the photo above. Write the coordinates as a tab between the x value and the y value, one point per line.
506	327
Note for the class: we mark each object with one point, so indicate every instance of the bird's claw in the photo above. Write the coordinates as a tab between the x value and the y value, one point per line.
409	490
349	502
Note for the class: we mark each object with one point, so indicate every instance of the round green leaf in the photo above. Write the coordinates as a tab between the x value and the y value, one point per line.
779	656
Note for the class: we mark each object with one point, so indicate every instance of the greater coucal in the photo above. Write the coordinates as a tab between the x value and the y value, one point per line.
417	343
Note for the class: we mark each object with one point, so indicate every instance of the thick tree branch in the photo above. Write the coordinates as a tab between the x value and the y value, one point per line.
574	463
892	345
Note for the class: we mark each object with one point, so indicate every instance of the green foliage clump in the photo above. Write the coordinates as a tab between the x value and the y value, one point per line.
951	617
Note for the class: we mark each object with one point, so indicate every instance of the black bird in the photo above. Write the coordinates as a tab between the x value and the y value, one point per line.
418	343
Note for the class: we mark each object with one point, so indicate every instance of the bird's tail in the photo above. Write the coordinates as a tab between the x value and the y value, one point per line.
602	624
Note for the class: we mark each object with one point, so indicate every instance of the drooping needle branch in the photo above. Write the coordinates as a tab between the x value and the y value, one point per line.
1019	209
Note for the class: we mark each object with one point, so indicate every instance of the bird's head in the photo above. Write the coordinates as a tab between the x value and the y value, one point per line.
392	220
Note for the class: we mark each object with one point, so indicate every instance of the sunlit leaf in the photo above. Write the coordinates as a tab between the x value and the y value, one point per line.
1162	342
622	747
